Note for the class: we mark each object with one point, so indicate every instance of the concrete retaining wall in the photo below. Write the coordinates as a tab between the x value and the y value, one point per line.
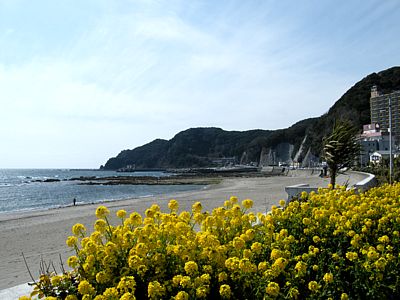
366	183
294	191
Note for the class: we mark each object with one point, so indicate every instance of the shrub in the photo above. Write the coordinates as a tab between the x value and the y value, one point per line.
337	244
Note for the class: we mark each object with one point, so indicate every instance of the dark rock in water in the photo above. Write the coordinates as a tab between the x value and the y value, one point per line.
83	178
51	180
47	180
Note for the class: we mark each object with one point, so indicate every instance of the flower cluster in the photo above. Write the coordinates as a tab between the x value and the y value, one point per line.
336	245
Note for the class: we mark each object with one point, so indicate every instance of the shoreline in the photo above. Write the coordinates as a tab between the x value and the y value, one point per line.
43	233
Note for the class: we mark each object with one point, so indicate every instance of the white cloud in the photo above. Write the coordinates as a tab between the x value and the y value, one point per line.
151	69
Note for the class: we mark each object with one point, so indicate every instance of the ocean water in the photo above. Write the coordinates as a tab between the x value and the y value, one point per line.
20	192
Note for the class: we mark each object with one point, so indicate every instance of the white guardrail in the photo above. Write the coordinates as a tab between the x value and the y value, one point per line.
294	191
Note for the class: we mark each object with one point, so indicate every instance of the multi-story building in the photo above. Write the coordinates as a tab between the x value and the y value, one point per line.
373	139
380	110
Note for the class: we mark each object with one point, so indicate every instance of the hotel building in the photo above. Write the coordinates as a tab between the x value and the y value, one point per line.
380	111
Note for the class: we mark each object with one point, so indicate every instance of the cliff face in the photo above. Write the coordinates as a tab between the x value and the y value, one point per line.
300	143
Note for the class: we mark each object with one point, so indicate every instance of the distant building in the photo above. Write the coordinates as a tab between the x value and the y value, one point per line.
380	110
378	156
373	139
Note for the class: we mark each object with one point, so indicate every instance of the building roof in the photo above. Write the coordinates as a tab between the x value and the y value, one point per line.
381	152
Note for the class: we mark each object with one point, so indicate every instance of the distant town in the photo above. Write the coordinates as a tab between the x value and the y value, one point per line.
382	135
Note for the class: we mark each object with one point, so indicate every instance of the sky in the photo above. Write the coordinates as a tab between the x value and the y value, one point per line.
82	80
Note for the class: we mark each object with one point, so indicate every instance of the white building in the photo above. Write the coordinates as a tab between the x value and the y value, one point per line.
377	156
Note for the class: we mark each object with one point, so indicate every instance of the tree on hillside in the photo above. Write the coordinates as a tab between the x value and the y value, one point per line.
340	148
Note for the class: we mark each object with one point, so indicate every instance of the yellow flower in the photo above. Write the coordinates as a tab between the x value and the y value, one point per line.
225	291
127	296
127	284
351	256
280	263
71	241
381	263
301	268
85	288
191	267
182	295
316	239
111	293
72	261
229	246
313	286
198	217
273	289
155	290
233	199
71	297
136	219
173	205
282	202
196	207
78	229
205	278
102	277
184	216
294	293
121	213
256	247
238	243
262	266
102	212
222	277
100	225
250	234
56	280
201	292
247	203
275	254
344	296
328	277
24	298
384	239
185	281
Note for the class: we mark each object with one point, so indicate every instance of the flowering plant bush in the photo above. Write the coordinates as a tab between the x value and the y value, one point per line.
332	244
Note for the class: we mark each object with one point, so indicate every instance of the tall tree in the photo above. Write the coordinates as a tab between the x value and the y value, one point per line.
340	148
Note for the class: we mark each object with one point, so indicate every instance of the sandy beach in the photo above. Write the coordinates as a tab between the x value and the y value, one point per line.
43	233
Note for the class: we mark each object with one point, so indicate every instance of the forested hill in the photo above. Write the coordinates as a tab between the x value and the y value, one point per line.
200	147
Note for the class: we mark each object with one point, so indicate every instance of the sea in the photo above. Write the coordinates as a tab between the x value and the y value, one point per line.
22	189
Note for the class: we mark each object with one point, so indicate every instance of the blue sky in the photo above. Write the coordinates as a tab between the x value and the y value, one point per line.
82	80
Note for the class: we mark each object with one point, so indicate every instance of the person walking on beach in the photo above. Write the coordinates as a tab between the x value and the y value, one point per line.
74	201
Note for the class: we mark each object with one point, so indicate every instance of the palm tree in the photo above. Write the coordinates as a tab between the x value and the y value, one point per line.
340	148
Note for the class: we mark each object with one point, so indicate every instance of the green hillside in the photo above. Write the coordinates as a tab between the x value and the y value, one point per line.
200	147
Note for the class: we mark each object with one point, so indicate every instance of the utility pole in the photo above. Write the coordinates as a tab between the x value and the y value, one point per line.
390	141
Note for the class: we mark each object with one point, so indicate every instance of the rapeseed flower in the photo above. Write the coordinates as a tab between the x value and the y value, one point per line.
102	212
225	291
322	245
121	213
272	289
